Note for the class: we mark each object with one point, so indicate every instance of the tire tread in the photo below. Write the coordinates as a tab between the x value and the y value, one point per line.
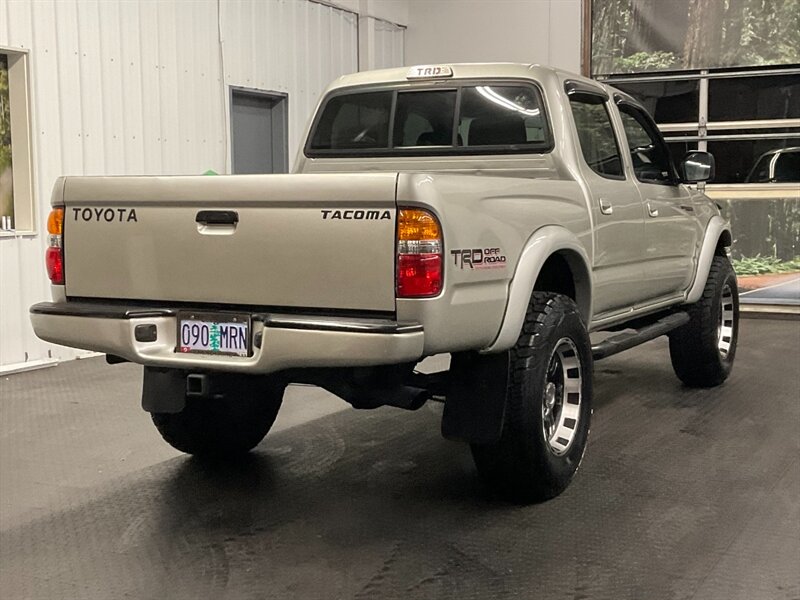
515	466
693	347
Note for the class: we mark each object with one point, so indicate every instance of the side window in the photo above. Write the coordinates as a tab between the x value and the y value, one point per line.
649	154
760	172
596	134
787	167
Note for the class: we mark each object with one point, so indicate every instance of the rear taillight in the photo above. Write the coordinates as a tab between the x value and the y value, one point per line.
54	257
419	254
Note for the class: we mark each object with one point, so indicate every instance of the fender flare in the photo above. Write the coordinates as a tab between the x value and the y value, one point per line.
540	246
716	227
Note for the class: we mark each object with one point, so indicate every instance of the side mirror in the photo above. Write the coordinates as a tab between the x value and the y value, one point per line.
697	166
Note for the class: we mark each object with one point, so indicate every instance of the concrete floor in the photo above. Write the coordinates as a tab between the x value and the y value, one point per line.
683	494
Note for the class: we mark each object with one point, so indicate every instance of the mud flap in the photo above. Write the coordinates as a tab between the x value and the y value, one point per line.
476	397
163	390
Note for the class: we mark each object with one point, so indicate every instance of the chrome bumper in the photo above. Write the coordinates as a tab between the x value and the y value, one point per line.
282	341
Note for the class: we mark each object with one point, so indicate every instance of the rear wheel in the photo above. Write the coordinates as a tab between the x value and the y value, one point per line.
702	351
548	405
233	422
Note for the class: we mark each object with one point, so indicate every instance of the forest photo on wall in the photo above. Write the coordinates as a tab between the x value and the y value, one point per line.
634	36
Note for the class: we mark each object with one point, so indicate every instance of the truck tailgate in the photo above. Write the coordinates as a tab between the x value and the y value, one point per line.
307	241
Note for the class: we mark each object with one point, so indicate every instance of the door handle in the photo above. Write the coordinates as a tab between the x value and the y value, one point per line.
217	217
653	212
605	206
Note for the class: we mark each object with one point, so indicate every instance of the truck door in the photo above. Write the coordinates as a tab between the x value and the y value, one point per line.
617	211
672	233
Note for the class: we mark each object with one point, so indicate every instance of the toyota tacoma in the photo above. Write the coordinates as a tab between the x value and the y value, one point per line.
502	214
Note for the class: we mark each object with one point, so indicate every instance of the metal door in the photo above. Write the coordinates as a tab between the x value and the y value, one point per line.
672	230
258	132
618	214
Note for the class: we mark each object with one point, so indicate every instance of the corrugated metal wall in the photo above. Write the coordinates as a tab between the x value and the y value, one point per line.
389	40
124	87
291	47
117	87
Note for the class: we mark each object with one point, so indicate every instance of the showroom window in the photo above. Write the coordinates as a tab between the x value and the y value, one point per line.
16	191
741	116
6	165
721	76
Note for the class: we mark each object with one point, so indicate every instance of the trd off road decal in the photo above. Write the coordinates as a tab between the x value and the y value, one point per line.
109	215
479	258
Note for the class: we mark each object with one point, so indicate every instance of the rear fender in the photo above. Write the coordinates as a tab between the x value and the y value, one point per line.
543	243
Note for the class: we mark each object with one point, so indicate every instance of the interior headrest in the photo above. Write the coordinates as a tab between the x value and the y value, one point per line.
489	131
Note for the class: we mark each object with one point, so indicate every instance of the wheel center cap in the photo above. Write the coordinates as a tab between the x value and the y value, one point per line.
550	396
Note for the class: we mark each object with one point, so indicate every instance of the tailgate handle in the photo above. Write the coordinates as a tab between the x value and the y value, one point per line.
217	217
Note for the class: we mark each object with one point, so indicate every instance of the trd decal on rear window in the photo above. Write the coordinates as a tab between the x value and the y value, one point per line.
479	258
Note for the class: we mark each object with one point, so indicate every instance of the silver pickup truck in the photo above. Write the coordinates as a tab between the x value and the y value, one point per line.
498	213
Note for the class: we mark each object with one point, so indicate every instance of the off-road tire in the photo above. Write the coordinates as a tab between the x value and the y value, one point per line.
523	465
703	350
223	426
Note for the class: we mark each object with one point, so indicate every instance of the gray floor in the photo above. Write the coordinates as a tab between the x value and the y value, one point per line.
683	494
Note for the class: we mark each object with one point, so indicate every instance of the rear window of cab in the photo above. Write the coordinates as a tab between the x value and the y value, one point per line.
499	118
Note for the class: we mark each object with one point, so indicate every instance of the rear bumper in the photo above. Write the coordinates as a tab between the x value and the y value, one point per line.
286	341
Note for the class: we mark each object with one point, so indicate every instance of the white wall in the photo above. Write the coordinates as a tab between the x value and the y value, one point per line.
289	46
393	11
386	42
140	87
529	31
114	89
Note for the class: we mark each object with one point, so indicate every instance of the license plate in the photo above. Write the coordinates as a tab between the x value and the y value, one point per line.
217	333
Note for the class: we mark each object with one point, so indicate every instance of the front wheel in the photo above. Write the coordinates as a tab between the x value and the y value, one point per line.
548	405
702	351
233	422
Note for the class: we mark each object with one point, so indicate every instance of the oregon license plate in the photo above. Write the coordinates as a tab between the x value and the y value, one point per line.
214	333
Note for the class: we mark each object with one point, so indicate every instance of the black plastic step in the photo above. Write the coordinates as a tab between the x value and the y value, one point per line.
630	339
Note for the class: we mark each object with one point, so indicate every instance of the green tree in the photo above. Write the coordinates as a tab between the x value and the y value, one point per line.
704	34
770	32
610	19
642	35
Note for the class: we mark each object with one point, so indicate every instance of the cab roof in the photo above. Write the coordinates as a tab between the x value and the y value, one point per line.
459	71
